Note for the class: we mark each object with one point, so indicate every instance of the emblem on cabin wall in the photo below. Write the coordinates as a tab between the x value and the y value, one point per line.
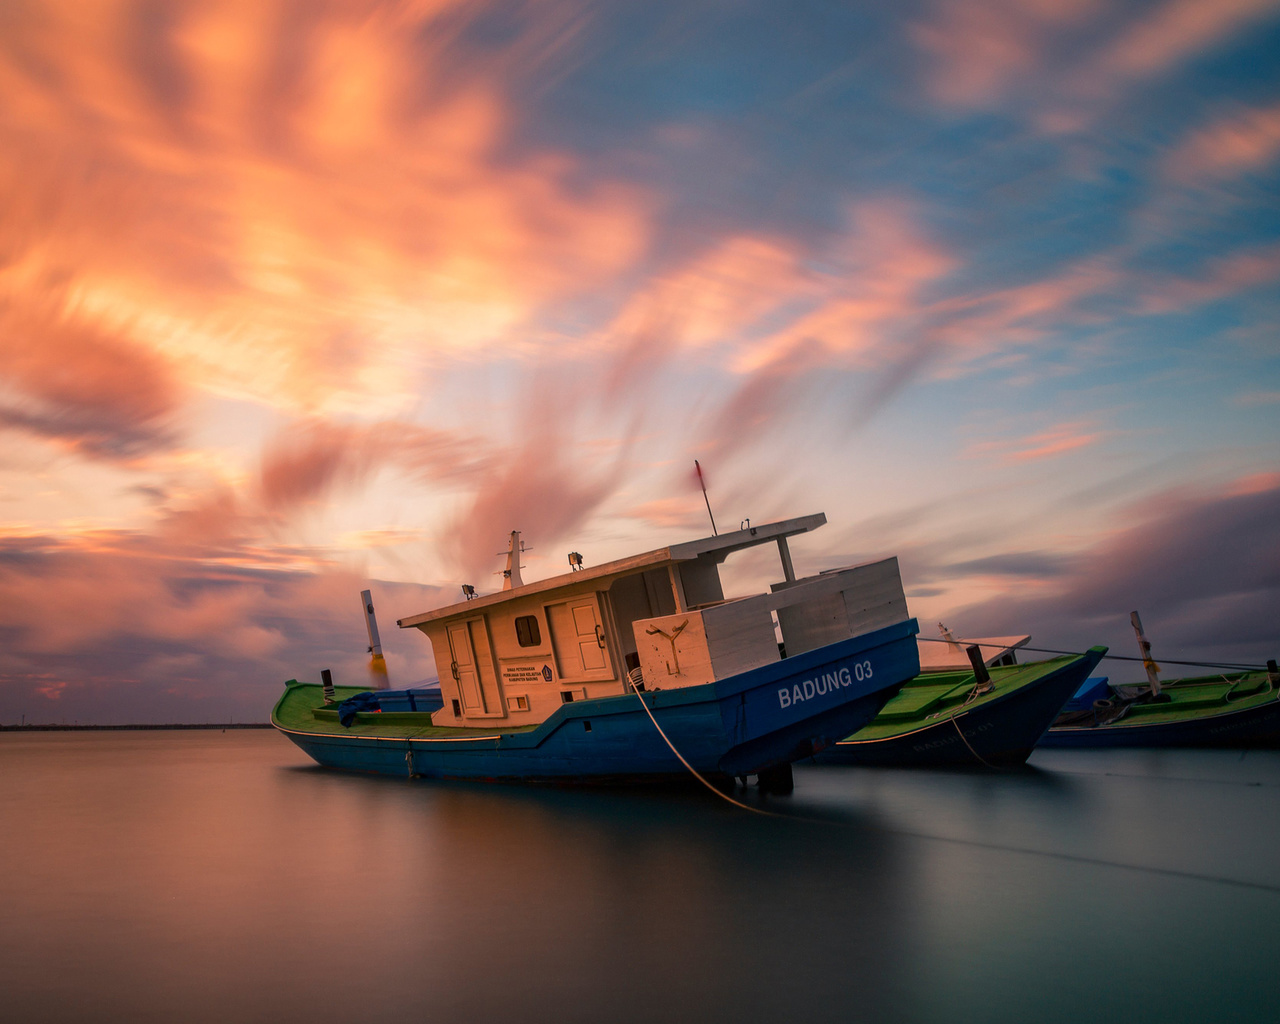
671	639
546	672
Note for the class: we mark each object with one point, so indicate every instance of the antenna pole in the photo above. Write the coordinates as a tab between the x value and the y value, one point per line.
703	483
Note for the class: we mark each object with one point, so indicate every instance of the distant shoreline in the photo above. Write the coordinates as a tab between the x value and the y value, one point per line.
122	728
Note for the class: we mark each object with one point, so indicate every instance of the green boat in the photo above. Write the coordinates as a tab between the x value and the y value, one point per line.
960	718
1231	709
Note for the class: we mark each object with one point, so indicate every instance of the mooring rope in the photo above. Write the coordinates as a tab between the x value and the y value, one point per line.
1109	657
694	772
956	723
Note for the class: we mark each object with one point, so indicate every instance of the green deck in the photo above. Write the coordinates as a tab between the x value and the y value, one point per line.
301	708
938	696
1202	697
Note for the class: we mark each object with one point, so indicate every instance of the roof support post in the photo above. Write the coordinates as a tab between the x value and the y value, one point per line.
784	552
676	589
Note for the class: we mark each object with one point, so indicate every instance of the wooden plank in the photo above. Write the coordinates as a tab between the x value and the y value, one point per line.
673	651
740	637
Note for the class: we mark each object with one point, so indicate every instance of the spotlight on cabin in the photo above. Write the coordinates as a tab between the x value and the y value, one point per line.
575	561
468	591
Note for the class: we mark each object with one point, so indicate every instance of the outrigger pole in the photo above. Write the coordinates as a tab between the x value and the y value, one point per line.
698	469
377	663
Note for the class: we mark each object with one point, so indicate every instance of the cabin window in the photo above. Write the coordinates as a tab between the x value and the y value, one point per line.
527	632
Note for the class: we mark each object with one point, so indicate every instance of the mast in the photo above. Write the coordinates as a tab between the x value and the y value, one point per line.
377	664
1144	645
511	574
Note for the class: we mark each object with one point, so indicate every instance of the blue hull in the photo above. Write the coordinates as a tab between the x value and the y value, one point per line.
1002	732
741	725
1248	726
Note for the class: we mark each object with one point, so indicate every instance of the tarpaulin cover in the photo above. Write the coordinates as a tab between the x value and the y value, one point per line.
1093	688
367	701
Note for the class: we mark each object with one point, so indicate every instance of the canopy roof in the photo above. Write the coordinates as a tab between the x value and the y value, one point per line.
706	549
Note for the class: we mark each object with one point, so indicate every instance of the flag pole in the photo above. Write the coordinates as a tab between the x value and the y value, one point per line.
703	483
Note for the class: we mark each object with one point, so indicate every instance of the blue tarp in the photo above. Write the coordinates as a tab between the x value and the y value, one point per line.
367	701
417	698
1093	688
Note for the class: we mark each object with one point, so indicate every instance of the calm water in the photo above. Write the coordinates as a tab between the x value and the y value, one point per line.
219	877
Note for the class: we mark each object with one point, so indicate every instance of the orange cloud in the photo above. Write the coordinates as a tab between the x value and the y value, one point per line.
1046	444
880	269
296	206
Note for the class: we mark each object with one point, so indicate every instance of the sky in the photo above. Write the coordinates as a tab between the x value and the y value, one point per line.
298	299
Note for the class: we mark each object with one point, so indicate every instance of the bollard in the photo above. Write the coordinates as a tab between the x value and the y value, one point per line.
980	673
326	679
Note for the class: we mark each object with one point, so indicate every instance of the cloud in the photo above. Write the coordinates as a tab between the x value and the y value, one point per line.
119	627
1064	60
1045	444
300	207
84	387
1204	570
1219	278
1243	141
1174	31
544	485
977	50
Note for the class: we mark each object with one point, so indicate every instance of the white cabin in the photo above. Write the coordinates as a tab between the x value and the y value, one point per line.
519	654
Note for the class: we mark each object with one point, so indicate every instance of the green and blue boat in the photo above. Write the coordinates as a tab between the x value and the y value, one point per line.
637	669
1223	709
991	714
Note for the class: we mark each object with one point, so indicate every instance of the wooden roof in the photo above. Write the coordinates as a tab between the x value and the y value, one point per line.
715	549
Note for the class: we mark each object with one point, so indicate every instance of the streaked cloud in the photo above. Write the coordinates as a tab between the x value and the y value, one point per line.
1236	143
1045	444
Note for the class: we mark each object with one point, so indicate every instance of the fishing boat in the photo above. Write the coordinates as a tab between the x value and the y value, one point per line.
1231	709
635	669
1238	707
991	712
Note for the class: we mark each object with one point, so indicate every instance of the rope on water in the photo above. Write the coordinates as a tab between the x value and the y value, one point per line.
694	772
1109	657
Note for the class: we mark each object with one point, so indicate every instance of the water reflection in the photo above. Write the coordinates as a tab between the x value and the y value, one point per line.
213	877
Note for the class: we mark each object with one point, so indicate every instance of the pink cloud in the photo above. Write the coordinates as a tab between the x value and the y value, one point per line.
1176	30
977	50
84	385
1045	444
1244	141
1219	279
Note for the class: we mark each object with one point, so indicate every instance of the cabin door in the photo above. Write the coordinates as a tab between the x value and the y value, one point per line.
473	668
578	640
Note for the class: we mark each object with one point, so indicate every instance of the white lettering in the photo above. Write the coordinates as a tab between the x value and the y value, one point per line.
809	689
796	695
784	697
845	678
